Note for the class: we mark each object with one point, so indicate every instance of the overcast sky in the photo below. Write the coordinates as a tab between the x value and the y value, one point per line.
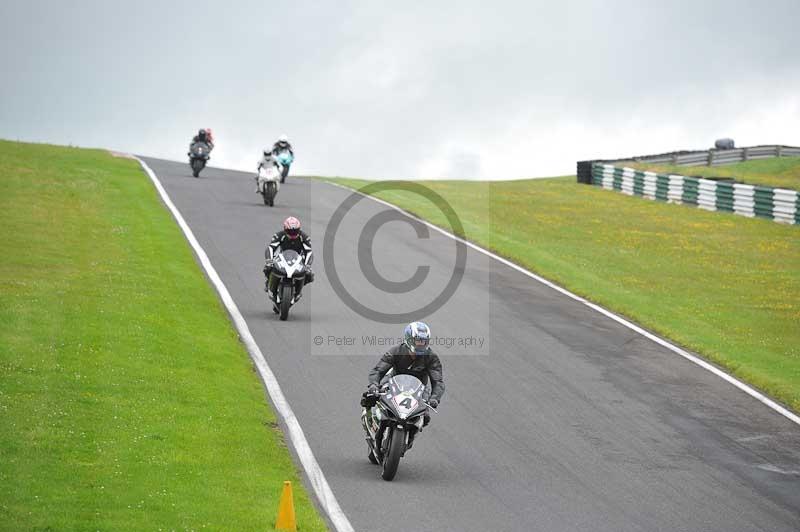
453	89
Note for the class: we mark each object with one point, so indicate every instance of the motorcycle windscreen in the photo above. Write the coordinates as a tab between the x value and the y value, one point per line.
290	256
405	395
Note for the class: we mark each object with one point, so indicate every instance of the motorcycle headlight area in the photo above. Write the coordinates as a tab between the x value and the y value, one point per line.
294	267
289	265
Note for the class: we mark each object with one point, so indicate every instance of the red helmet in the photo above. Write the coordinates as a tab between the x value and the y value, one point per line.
291	226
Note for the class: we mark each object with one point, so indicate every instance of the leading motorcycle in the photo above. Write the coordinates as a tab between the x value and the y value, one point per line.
290	268
391	419
199	152
286	158
269	183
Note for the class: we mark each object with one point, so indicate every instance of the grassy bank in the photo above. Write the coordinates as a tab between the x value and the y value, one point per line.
781	172
725	286
126	399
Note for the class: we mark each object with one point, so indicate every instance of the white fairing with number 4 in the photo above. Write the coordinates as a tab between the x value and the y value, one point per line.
405	403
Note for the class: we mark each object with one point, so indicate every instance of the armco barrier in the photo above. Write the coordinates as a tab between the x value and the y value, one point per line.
712	157
778	204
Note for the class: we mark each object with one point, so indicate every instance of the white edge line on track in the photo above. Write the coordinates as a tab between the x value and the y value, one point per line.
619	319
321	488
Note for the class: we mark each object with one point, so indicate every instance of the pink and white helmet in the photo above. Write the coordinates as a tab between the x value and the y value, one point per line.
291	227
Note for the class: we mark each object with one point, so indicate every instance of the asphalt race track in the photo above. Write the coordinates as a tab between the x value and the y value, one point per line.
562	420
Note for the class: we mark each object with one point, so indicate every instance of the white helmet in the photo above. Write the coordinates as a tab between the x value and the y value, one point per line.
283	138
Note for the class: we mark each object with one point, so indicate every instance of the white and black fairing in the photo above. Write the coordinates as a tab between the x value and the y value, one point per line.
397	411
200	150
289	273
289	264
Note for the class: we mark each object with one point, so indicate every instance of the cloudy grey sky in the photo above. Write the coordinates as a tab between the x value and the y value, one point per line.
450	88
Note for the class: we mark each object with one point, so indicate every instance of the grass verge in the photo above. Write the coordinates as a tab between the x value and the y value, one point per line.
725	286
781	172
126	399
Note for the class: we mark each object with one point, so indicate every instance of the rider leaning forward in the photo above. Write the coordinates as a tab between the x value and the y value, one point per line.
412	357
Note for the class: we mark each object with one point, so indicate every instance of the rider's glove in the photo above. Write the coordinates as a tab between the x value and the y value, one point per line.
372	389
433	403
268	266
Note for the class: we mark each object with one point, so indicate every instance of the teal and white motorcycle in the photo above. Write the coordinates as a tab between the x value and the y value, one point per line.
286	158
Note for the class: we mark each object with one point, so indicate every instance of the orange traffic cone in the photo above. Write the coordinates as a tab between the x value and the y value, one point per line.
286	520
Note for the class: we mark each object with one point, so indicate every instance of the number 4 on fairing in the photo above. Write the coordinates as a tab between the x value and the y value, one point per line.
406	403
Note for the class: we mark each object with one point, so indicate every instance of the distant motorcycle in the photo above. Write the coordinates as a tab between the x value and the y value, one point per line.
269	182
290	268
286	159
391	419
199	152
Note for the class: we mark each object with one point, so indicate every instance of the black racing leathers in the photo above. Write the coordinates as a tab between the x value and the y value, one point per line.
281	241
420	366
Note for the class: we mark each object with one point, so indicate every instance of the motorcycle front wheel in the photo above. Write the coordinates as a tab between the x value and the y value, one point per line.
197	165
392	459
286	300
269	198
